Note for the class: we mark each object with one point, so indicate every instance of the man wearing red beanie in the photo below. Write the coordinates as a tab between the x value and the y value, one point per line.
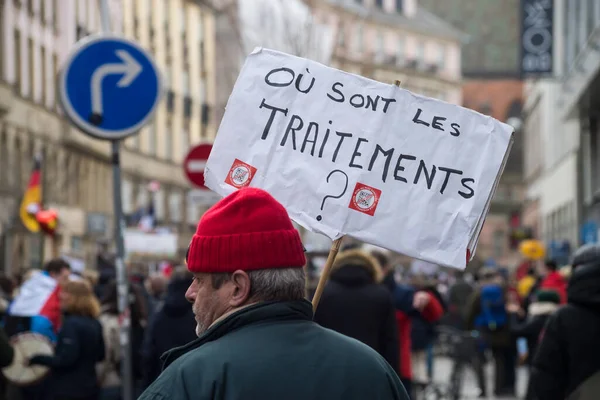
256	336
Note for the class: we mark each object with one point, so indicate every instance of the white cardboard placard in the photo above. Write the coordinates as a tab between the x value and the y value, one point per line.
347	155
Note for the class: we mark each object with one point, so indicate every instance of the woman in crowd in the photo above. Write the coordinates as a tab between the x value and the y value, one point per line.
80	346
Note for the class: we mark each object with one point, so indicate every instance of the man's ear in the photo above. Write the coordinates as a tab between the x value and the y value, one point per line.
241	288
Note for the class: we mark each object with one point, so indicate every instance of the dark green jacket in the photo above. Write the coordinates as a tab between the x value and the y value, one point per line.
274	351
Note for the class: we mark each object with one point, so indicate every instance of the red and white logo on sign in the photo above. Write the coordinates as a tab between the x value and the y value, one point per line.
365	199
240	175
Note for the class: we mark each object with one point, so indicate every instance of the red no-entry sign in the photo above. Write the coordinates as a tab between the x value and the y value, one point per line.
194	164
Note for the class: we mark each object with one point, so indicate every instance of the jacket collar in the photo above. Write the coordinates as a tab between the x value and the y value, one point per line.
263	312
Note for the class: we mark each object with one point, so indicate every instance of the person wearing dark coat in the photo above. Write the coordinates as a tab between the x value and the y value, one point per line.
256	334
568	352
80	346
355	304
546	302
7	352
172	325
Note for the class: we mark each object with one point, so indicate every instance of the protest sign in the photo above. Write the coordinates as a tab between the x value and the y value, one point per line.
347	155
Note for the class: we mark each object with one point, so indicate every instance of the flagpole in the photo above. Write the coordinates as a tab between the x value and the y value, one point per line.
39	159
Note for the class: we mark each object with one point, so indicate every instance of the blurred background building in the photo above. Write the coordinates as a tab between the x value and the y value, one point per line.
36	36
542	79
492	85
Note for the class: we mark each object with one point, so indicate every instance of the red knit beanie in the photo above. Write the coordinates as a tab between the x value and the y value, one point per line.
246	230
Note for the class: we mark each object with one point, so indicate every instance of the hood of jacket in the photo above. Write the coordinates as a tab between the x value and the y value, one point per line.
584	286
542	308
356	268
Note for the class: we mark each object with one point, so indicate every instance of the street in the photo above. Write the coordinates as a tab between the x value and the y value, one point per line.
442	368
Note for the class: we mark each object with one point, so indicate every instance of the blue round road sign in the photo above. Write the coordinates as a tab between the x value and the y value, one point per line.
109	87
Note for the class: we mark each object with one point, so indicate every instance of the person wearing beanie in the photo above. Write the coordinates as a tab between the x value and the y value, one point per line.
256	334
568	352
552	279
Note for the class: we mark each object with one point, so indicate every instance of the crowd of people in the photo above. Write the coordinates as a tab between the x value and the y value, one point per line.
235	322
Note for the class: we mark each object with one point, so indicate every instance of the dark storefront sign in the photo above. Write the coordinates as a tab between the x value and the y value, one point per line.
536	37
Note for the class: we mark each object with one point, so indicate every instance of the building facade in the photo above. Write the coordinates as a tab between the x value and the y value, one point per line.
390	40
576	143
77	181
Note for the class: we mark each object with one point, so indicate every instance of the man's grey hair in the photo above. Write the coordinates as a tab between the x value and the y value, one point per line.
278	284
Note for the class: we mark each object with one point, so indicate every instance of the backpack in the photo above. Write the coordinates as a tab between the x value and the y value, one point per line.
493	314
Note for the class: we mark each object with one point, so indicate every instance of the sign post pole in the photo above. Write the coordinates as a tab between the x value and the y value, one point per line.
122	281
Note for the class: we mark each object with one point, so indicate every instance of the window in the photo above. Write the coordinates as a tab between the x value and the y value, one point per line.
152	139
182	17
399	5
55	15
499	240
400	50
31	66
43	13
359	38
43	73
76	244
200	30
175	206
54	75
420	53
341	39
165	14
185	82
379	45
202	90
441	56
185	141
168	77
18	60
168	141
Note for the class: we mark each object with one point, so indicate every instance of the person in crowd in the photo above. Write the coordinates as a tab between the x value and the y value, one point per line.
79	347
552	279
7	354
487	314
410	304
172	325
356	305
49	323
90	276
546	303
109	369
568	351
526	284
423	334
459	295
256	337
109	316
155	286
387	269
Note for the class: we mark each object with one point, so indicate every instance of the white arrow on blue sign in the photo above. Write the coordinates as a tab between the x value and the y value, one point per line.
109	87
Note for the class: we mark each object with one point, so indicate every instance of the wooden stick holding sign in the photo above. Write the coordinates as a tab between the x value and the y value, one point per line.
335	248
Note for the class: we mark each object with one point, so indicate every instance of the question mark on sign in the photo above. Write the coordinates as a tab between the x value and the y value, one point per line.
319	218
